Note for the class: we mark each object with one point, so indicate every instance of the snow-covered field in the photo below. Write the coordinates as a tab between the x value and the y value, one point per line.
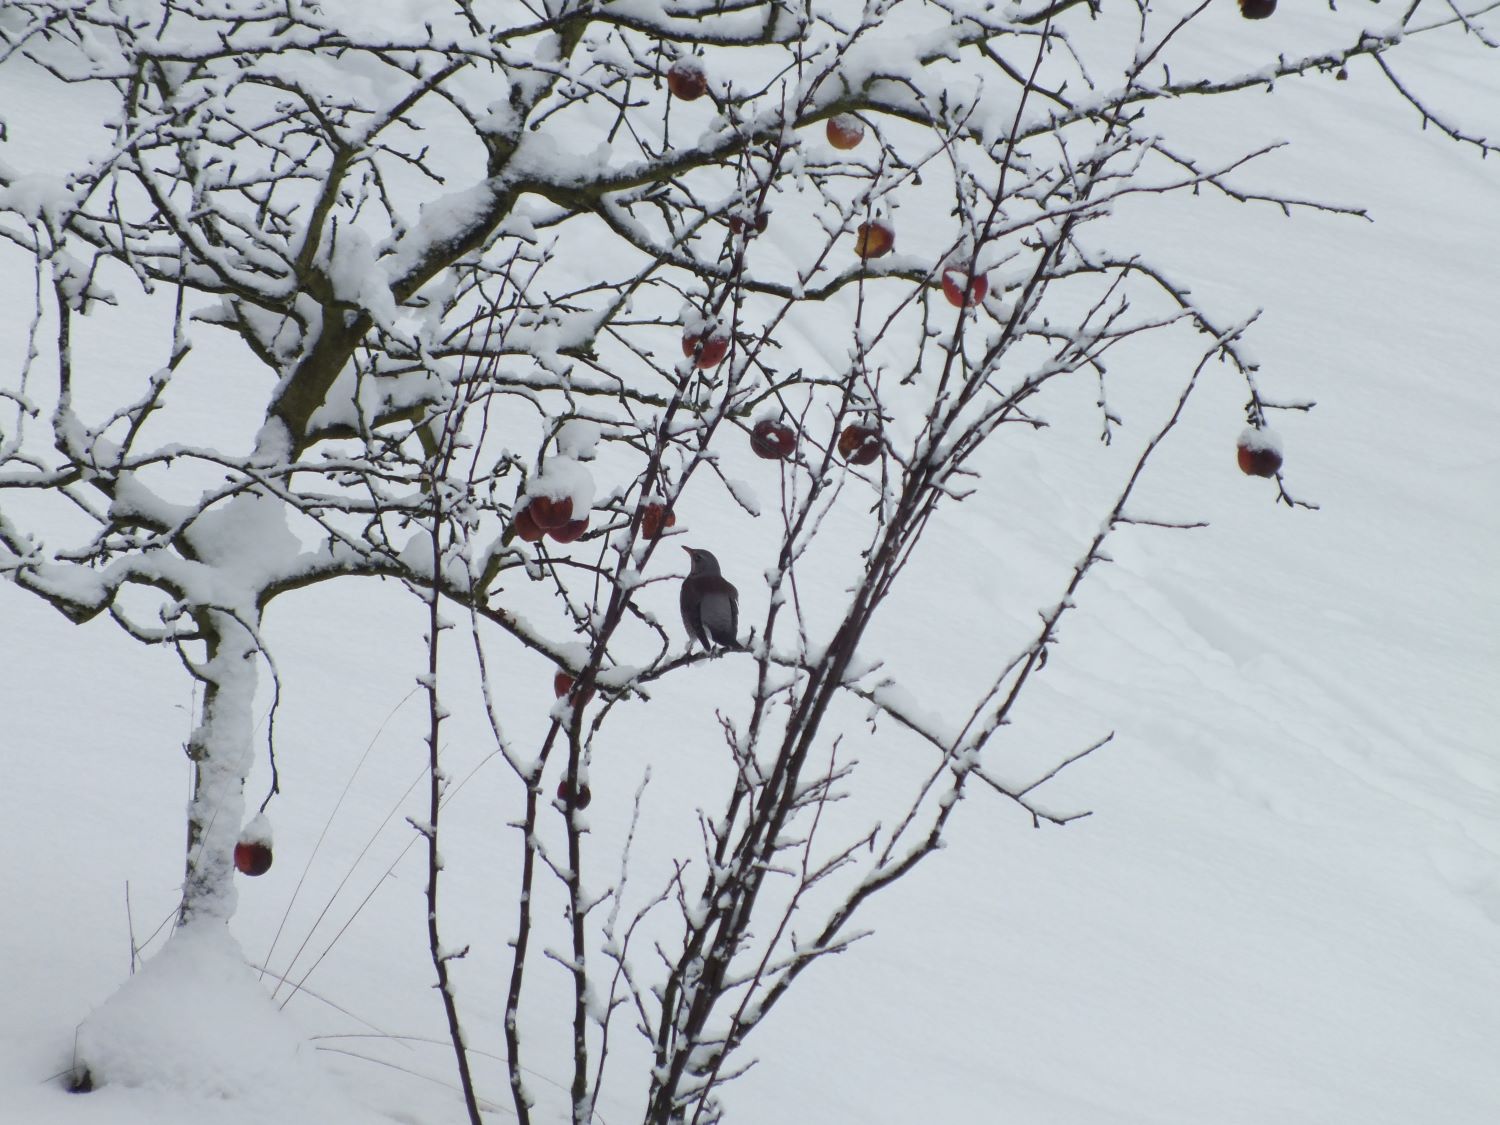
1284	908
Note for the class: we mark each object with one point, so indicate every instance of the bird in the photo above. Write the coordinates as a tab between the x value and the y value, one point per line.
710	604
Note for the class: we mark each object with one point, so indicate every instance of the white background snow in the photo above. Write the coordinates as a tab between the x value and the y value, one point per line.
1285	908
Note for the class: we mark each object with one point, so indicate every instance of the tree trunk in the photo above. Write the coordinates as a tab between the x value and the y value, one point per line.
221	750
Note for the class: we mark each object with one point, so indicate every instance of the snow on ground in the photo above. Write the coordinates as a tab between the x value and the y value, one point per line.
1286	906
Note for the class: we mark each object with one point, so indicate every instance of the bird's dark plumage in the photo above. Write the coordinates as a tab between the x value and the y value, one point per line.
710	604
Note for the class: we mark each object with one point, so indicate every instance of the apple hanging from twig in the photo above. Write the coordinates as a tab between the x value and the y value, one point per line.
772	439
1258	452
706	349
570	531
550	512
874	239
961	289
738	224
562	684
686	80
655	519
859	444
252	852
845	131
525	527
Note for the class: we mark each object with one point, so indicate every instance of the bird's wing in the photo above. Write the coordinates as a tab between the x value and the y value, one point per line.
718	614
692	612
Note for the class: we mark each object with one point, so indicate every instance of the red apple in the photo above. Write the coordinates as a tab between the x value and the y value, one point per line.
562	684
686	80
524	526
569	531
1259	462
738	223
655	519
773	440
961	289
1257	9
252	857
565	795
550	512
706	349
859	445
845	131
1258	453
874	239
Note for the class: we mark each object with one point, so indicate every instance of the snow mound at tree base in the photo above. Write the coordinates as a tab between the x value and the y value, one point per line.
196	1021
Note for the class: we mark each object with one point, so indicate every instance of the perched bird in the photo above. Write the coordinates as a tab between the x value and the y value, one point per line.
710	605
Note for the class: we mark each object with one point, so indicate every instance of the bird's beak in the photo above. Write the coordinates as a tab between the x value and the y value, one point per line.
689	550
